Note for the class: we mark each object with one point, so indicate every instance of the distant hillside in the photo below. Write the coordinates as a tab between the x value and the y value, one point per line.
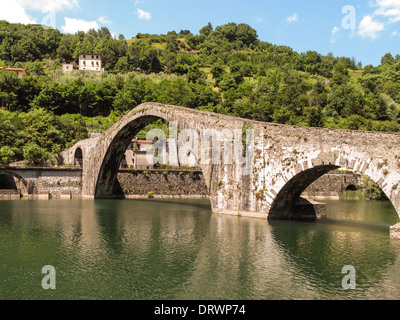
225	70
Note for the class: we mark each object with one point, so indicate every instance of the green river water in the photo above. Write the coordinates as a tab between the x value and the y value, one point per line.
178	249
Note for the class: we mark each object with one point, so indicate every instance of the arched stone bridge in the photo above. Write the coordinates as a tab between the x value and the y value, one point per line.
285	160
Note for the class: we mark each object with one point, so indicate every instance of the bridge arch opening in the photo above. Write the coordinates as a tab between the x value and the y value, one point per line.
284	205
133	151
14	183
351	187
78	158
287	201
108	186
7	182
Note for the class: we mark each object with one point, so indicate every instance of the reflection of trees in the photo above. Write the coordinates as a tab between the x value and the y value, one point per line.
152	246
321	250
178	250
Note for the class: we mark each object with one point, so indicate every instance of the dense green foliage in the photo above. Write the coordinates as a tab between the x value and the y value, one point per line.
227	70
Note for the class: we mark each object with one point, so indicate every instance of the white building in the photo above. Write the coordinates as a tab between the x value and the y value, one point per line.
90	62
68	66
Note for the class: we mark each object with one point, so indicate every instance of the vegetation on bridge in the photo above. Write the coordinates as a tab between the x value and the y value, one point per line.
225	70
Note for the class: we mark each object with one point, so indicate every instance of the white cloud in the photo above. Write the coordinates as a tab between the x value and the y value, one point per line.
369	28
293	18
73	25
335	31
143	14
12	11
259	19
104	20
394	33
48	5
389	9
393	14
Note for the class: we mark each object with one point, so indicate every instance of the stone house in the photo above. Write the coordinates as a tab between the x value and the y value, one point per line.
68	66
139	155
90	62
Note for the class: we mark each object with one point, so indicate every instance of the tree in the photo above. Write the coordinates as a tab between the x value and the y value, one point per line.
344	100
227	82
246	34
207	29
388	59
340	74
315	117
196	75
218	71
52	97
7	155
34	154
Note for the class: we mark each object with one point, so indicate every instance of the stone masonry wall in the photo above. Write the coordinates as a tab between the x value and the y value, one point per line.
330	185
181	184
46	182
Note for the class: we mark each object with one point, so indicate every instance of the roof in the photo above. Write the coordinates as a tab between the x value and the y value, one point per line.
90	54
142	141
12	69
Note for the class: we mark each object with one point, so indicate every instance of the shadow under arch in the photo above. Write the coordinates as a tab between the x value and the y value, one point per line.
11	181
107	186
7	182
285	202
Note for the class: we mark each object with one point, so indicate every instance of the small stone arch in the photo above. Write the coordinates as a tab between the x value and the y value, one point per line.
14	182
351	187
7	182
78	157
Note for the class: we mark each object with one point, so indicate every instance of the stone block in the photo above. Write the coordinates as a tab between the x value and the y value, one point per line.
65	195
44	195
395	232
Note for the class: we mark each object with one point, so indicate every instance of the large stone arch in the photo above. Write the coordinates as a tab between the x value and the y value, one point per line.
105	153
107	185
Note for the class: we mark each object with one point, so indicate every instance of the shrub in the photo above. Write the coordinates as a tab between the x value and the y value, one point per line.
150	195
7	155
34	154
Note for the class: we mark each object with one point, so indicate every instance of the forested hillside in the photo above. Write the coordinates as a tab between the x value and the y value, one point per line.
226	70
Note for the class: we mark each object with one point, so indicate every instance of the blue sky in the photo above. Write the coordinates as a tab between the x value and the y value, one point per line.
365	30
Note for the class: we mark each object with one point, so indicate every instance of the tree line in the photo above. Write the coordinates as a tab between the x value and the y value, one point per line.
225	70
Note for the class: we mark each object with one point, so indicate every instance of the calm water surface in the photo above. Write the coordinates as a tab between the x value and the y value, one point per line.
180	250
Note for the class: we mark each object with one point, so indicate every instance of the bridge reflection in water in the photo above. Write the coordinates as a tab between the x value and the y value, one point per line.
108	249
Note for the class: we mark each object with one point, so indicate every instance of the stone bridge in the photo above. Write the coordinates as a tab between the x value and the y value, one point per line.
284	159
